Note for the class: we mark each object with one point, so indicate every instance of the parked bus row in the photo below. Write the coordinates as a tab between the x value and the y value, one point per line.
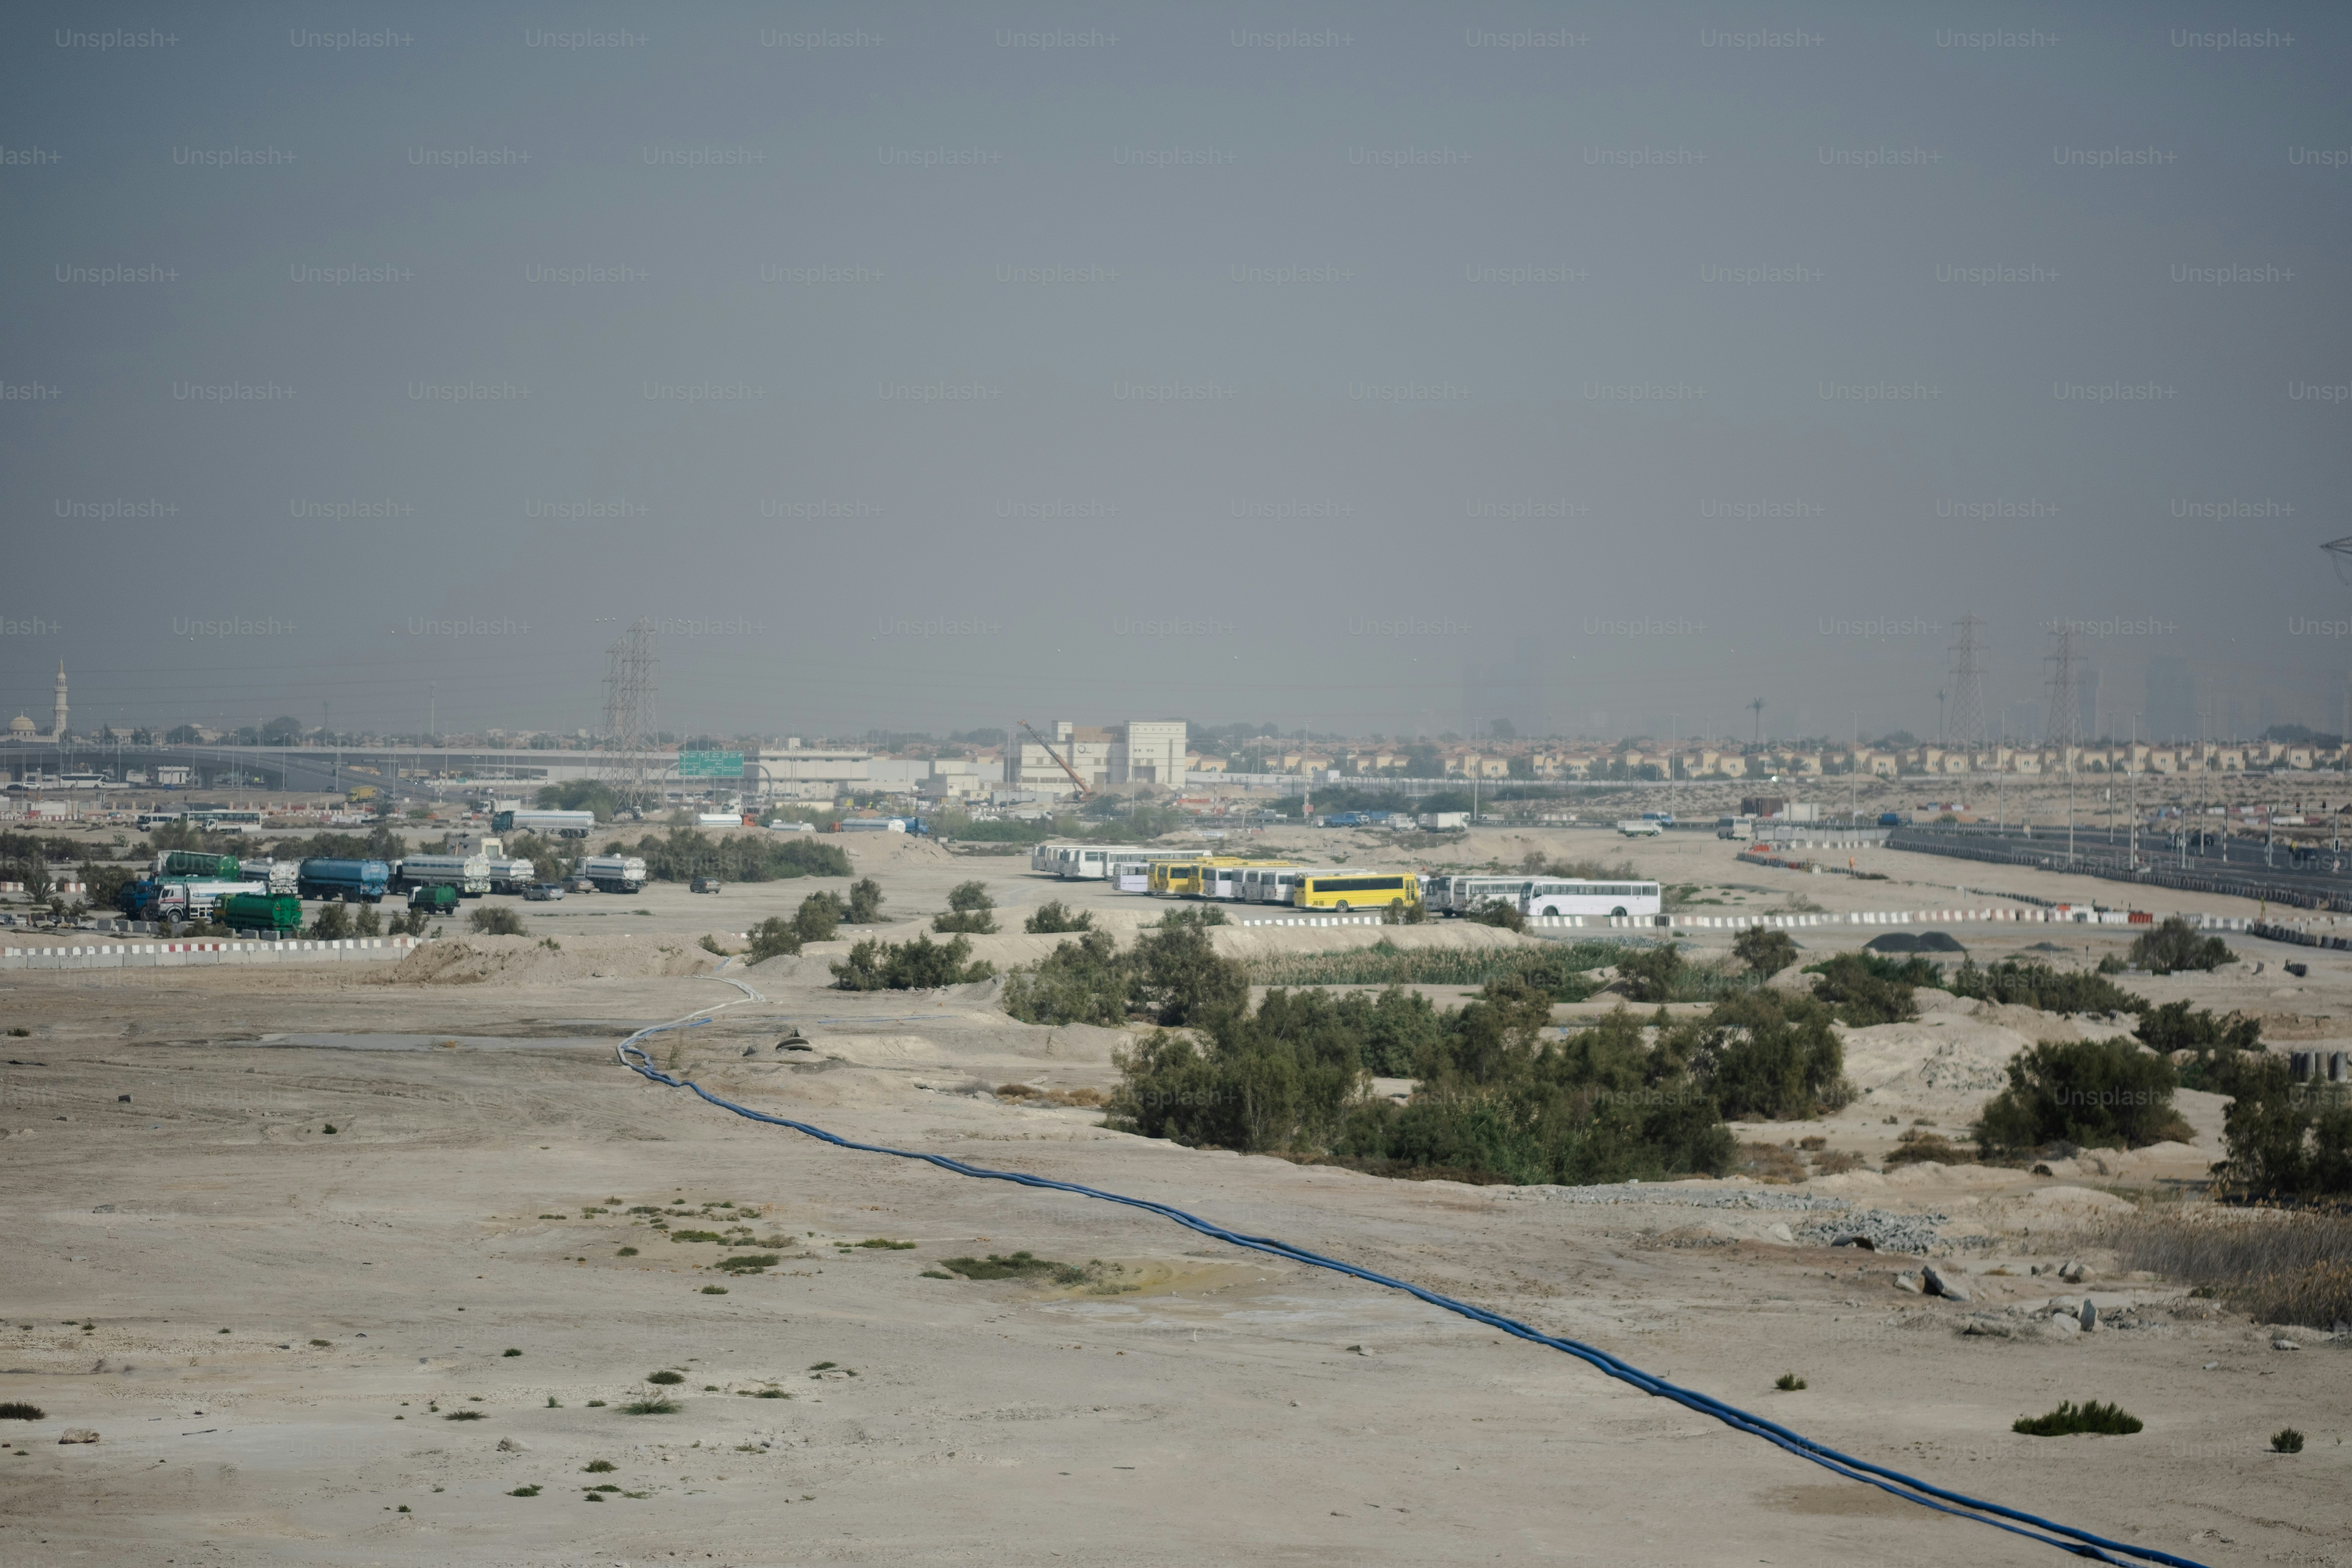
1132	868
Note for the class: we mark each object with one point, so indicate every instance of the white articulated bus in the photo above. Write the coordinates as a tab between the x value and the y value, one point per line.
1554	896
1464	895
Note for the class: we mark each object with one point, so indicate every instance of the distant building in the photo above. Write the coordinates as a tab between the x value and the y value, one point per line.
1141	751
2171	713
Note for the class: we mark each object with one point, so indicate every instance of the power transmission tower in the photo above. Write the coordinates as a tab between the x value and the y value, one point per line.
1968	715
629	715
2063	728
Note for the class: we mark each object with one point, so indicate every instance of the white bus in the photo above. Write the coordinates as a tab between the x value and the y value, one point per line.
1268	884
1466	895
1553	896
1131	874
1092	862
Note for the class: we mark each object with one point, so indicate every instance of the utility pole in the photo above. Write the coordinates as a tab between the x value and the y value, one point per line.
1756	705
2063	726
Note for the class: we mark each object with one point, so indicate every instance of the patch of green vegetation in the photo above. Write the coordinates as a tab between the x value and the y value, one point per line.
626	1252
969	909
1789	1382
659	1404
510	1352
714	1290
749	1262
2103	1094
2034	984
666	1378
934	1274
884	1243
599	1466
2105	1420
823	1365
2177	944
1558	967
2286	1440
465	1416
524	1491
1055	916
1867	988
695	1236
19	1410
1018	1265
772	1394
917	966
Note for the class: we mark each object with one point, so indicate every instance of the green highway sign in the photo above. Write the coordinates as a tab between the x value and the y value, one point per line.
710	765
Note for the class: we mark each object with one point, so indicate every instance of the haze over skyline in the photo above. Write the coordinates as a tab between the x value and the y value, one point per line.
1364	369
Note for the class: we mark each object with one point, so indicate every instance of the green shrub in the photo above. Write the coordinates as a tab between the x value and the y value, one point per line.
2177	944
1789	1382
2286	1440
864	902
1499	912
1181	979
1650	974
332	923
774	937
2175	1027
2100	1094
2026	985
2091	1416
1861	993
2284	1138
688	852
917	966
1193	915
17	1410
819	917
969	909
666	1378
1561	969
1019	1266
496	919
1055	916
1768	1056
1764	952
1082	982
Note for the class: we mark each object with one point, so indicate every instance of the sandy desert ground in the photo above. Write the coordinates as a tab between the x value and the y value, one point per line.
300	1346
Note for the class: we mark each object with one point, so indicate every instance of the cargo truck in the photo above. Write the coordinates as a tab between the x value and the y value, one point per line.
512	876
261	912
189	863
469	874
437	897
352	881
274	876
613	873
551	823
153	899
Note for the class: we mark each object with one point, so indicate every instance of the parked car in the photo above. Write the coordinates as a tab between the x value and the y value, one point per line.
703	885
542	892
580	884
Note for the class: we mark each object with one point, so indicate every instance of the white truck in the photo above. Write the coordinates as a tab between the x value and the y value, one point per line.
469	874
613	873
275	876
1642	828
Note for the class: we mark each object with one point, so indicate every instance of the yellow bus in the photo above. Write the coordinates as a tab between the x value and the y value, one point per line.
1180	878
1343	891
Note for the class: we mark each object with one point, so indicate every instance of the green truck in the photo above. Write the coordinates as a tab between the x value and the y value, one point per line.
260	911
434	897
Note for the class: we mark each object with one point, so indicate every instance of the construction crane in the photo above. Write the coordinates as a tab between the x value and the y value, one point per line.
1082	791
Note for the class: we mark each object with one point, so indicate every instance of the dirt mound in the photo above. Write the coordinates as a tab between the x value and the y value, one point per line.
522	960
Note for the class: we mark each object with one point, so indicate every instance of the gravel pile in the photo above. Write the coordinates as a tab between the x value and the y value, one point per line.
1622	1193
1887	1231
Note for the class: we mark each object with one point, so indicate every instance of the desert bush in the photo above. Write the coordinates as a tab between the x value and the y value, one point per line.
1055	916
2106	1420
367	921
2286	1440
2176	1028
19	1410
1081	981
1496	912
2284	1138
333	922
1767	1057
1496	1104
1193	915
1917	1147
2177	944
684	853
1861	990
2029	984
819	917
969	909
2278	1266
496	919
1558	967
1764	950
2101	1094
1181	979
1018	1265
1650	974
865	903
917	966
774	937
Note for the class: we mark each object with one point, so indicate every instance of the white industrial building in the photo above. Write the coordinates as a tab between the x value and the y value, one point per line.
1141	751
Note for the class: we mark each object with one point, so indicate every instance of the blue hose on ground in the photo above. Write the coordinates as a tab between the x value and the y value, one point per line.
2065	1538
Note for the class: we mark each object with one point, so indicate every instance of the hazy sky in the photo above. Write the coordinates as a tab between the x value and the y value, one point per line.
939	366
